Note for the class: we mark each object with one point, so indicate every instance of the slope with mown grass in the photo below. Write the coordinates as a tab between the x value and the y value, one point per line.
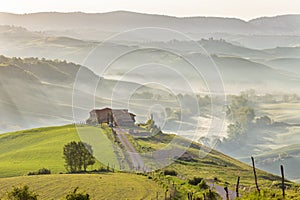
98	186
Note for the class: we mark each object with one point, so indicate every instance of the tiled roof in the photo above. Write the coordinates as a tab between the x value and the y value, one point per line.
122	117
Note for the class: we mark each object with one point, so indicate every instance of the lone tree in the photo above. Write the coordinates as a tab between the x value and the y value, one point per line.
78	156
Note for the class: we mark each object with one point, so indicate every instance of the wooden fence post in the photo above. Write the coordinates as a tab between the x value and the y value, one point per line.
237	187
282	181
227	194
255	177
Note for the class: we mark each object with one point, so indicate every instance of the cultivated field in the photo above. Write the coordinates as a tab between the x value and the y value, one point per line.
98	186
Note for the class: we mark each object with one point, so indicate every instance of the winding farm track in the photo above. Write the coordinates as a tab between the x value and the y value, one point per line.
134	156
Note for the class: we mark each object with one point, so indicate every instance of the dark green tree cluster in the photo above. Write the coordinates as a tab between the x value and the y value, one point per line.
22	193
170	172
241	114
40	172
78	156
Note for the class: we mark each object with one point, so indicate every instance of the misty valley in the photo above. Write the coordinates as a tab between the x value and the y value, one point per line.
223	83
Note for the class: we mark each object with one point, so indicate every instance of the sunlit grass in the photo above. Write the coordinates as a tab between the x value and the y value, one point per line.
98	186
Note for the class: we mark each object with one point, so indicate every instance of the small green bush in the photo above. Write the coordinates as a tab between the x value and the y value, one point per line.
211	195
77	196
195	181
202	185
170	172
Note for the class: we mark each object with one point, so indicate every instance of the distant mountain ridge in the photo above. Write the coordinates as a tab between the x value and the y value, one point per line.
290	23
123	20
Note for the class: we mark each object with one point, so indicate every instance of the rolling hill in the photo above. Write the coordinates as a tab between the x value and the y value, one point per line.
39	92
286	64
285	52
33	149
25	151
289	23
212	45
288	155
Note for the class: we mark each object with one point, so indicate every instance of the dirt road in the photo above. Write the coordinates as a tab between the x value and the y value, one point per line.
136	159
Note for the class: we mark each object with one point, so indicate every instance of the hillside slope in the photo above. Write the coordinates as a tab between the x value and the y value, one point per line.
30	150
286	64
39	92
26	151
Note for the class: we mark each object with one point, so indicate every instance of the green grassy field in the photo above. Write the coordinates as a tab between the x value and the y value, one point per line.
98	186
217	166
213	165
104	148
25	151
30	150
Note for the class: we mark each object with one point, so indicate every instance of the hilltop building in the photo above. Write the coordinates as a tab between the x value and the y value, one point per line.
115	117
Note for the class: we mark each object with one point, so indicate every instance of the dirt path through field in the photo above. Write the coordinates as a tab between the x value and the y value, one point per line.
135	157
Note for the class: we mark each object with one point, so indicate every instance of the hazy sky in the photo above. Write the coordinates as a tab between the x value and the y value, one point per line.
244	9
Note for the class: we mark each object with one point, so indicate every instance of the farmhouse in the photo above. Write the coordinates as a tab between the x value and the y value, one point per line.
116	117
